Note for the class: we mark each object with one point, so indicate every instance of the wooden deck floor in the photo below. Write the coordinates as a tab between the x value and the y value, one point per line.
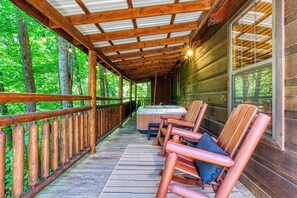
117	170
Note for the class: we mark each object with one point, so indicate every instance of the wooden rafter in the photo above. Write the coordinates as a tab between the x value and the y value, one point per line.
148	63
152	58
144	44
143	53
142	32
134	13
149	68
53	15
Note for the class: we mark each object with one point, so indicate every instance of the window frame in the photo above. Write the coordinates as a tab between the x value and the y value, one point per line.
278	65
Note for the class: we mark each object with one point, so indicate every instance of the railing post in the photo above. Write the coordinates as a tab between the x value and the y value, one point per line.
92	103
130	96
121	98
2	162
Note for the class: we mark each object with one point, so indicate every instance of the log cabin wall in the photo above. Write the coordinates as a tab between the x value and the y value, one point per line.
271	172
162	91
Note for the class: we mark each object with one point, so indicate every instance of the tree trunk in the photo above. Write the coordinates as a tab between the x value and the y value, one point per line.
64	71
27	63
4	111
80	90
102	83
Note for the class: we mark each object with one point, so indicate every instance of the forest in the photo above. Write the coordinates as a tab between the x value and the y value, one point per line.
33	59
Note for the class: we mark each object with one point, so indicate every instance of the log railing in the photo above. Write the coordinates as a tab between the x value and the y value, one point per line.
56	139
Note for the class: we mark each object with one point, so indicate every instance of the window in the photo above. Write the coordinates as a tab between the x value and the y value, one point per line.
253	61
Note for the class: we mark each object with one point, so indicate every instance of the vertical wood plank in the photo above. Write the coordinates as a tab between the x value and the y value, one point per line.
18	161
85	129
76	135
45	157
70	136
33	155
99	123
55	144
92	102
63	141
81	131
2	162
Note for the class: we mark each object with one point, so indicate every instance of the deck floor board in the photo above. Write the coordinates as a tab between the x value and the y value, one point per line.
125	165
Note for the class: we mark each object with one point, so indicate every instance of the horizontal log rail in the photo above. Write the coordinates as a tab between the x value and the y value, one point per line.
23	118
32	97
104	98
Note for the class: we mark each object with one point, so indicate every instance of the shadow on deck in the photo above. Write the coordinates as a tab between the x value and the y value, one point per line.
119	168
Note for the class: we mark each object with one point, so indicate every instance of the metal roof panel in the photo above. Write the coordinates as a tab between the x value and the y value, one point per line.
66	7
145	3
153	37
101	44
187	17
123	41
153	21
105	5
117	25
183	33
88	29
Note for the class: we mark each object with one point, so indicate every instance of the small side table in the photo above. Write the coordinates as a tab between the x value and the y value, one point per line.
152	132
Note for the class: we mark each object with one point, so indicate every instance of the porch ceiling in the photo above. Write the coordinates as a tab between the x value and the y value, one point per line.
137	38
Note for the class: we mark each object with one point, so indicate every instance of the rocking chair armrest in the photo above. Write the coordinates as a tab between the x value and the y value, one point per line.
166	117
185	192
181	123
199	154
186	134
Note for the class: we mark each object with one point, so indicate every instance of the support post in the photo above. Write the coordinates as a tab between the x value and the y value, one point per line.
136	95
92	103
130	96
121	98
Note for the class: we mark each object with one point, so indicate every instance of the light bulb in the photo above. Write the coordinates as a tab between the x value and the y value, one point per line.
43	38
70	49
189	52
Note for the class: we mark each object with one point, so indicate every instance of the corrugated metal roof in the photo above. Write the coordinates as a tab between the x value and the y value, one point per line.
66	7
105	5
153	21
187	17
110	54
123	41
151	48
101	44
174	45
183	33
88	29
117	25
145	3
153	37
129	51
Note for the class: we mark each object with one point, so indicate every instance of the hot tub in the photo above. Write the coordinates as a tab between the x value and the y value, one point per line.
151	114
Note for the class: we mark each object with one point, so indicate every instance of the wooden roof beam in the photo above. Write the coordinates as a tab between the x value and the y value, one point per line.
143	53
148	63
144	44
141	32
53	15
134	13
152	58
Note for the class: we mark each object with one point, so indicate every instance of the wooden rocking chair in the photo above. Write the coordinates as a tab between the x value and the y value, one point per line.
231	137
192	120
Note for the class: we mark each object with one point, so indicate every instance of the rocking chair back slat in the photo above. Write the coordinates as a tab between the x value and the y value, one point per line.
193	111
236	127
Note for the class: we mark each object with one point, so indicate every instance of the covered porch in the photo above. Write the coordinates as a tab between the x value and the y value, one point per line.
222	52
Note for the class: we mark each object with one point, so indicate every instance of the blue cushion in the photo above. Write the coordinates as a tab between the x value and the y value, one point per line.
209	172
